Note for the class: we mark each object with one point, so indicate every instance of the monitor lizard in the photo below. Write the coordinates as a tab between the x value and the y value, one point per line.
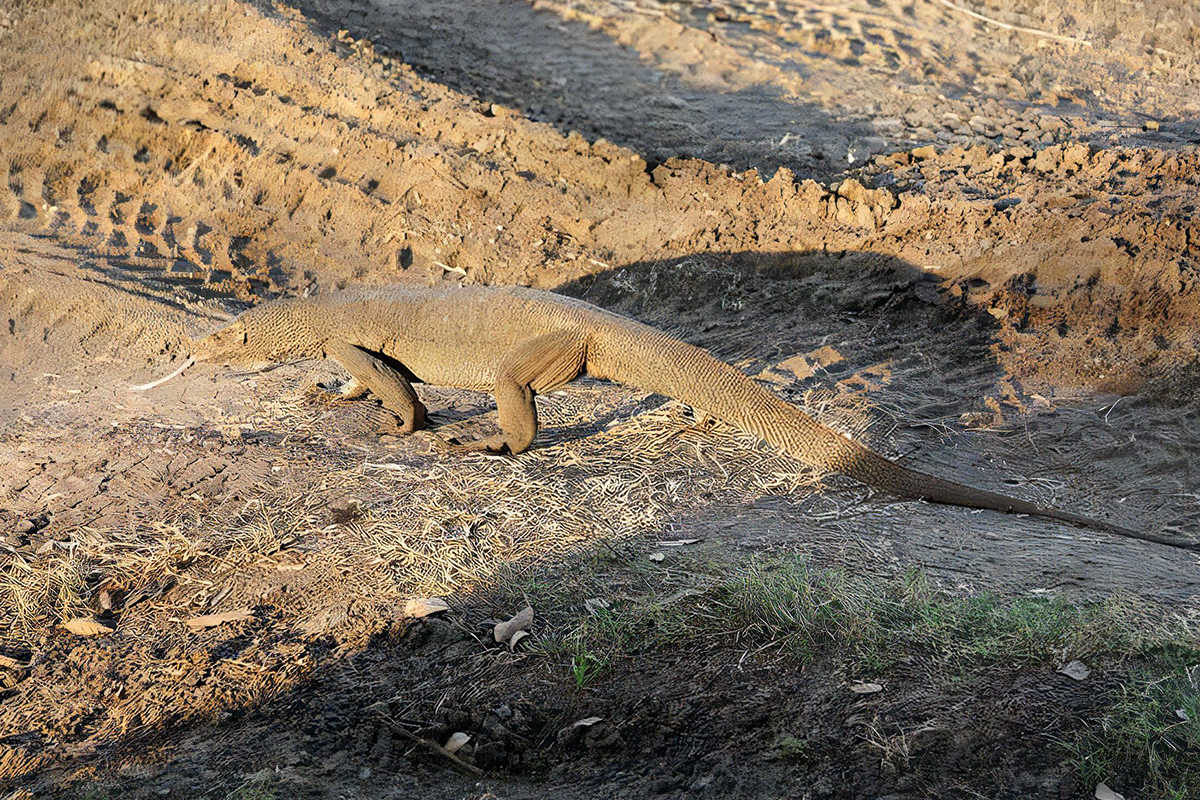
521	342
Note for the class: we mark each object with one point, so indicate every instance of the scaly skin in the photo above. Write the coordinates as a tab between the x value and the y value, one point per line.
521	342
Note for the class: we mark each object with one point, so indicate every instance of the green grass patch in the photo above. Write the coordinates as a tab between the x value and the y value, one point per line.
1149	740
784	605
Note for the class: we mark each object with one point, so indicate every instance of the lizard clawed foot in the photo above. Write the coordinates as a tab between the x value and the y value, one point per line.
348	390
415	422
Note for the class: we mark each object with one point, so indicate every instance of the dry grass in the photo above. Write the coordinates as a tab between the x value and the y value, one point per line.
429	523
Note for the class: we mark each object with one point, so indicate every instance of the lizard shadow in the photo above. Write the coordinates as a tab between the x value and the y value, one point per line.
759	309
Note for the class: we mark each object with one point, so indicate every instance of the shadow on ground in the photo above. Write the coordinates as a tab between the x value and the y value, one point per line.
579	79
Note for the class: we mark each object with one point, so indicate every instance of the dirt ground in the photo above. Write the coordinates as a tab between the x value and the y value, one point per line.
973	247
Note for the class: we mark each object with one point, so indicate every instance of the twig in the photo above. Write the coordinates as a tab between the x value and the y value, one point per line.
1110	408
435	747
1018	28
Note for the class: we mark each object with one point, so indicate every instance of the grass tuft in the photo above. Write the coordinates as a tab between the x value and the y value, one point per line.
1151	735
782	608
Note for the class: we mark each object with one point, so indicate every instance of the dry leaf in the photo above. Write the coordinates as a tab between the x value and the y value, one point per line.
516	637
221	594
587	722
677	542
456	741
866	688
521	622
88	626
1076	670
1105	793
656	557
797	365
212	620
419	607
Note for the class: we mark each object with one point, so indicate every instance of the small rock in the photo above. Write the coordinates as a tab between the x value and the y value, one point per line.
922	153
419	607
866	688
1076	670
1150	125
364	773
873	144
1105	793
1049	124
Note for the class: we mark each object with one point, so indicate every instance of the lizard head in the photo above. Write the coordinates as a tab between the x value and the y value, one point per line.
224	345
270	332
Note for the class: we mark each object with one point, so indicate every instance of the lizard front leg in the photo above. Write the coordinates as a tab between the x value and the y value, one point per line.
386	383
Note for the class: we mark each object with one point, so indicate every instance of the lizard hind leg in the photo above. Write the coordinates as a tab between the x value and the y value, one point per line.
370	373
536	365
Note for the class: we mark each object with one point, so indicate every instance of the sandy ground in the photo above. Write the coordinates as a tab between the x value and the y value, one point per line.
971	246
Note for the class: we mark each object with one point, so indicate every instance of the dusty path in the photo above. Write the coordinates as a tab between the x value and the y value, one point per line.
1016	310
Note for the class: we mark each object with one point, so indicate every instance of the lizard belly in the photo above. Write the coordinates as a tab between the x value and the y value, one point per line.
463	370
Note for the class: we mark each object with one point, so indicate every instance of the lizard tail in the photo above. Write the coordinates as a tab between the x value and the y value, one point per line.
653	361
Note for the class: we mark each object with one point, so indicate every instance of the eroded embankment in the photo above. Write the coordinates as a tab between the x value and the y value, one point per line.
219	172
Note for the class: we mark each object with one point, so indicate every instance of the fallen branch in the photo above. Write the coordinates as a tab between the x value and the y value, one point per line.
1018	28
434	746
